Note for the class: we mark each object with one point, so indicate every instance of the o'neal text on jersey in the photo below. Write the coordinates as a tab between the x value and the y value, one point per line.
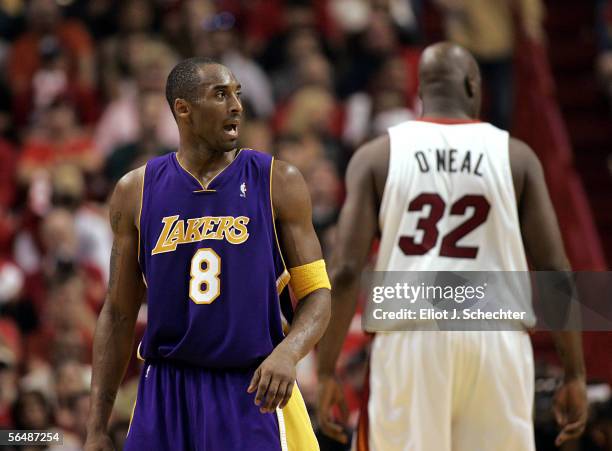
192	230
449	160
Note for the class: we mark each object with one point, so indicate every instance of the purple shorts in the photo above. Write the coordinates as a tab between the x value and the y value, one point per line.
189	408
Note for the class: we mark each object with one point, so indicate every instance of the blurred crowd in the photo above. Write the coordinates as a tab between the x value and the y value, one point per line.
603	65
82	102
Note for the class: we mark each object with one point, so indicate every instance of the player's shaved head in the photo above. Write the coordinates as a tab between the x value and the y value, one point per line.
185	78
449	80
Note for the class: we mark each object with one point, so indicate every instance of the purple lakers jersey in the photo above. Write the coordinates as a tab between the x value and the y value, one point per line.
211	263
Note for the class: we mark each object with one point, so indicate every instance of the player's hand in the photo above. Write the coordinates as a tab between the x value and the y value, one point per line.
274	380
331	394
571	409
100	441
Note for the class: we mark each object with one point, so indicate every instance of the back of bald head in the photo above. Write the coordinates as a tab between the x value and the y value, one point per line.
444	70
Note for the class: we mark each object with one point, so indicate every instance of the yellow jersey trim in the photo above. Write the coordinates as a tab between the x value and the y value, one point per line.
138	356
132	415
309	277
136	398
282	281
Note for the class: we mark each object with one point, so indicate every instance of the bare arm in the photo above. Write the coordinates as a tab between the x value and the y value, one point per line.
300	246
544	246
275	377
114	335
357	227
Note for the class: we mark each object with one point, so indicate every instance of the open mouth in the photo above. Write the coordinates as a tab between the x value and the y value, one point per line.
231	129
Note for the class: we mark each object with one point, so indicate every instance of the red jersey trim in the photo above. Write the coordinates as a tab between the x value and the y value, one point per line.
448	121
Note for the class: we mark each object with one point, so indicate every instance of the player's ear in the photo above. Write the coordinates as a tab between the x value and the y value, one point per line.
469	87
181	108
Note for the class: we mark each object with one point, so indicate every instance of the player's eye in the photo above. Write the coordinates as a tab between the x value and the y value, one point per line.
220	94
239	94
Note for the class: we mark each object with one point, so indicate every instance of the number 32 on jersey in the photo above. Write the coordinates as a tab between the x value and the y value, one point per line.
429	225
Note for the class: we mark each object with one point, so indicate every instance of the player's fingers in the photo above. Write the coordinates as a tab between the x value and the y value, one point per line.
341	401
262	387
333	430
254	381
559	412
570	432
288	393
575	427
280	396
270	395
559	416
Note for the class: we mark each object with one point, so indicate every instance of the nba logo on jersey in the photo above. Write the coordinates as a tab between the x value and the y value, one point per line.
243	189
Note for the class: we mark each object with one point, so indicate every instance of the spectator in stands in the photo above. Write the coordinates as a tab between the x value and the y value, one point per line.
315	69
298	151
79	406
90	219
8	163
300	44
17	315
352	15
62	260
219	40
57	138
487	30
603	25
152	106
11	19
71	381
8	380
118	52
324	186
120	123
268	25
32	411
68	322
257	134
309	114
384	103
49	35
8	131
368	49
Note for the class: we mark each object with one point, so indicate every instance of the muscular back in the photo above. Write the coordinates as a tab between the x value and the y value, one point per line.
367	176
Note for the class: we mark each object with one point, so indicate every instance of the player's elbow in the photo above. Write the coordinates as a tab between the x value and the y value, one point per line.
344	274
550	261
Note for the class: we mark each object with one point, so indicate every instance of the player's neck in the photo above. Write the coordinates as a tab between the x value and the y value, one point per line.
444	110
203	162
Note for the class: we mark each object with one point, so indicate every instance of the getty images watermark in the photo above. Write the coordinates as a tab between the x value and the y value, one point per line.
433	294
480	300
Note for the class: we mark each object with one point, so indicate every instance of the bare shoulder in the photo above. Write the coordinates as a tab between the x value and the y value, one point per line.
374	154
521	155
126	199
525	166
290	194
284	174
370	165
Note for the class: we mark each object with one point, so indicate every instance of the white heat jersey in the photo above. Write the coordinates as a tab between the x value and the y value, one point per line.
449	203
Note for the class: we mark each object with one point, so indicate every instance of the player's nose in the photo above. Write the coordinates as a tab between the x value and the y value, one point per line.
235	107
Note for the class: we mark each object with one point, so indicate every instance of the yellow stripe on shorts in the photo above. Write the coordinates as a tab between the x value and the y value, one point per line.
298	433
